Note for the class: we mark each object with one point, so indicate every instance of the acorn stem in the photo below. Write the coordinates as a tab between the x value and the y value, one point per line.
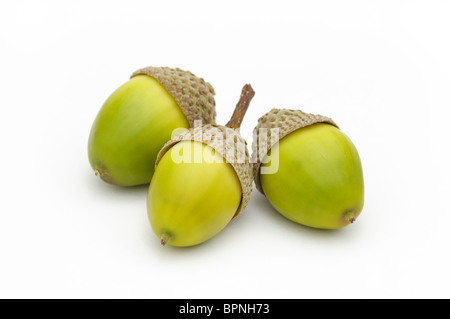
165	238
241	108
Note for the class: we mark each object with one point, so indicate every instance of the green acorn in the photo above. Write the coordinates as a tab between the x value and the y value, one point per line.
140	117
202	181
309	170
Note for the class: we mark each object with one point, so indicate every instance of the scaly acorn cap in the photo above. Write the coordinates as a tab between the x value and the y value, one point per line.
193	95
227	142
286	121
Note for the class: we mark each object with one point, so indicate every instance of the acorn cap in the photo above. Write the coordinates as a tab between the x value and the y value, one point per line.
229	144
193	95
287	121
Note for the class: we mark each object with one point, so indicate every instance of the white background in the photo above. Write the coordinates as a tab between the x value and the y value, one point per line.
380	69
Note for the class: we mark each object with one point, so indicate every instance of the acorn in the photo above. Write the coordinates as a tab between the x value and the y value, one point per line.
308	169
203	179
140	117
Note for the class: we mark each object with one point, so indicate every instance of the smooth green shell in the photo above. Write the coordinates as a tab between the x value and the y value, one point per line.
191	200
130	129
319	182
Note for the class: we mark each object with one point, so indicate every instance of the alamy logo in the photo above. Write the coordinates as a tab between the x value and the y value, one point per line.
228	143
